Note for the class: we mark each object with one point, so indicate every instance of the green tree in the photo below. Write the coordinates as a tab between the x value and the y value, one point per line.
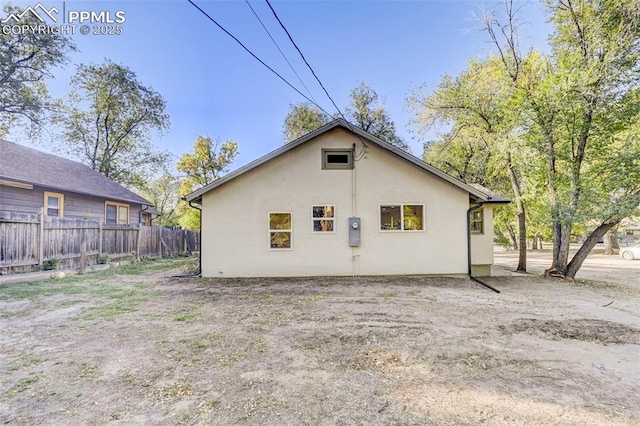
108	122
583	106
484	144
209	161
26	62
365	112
163	191
302	118
371	116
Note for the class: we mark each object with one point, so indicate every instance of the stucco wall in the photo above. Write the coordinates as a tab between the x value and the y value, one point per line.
482	244
235	217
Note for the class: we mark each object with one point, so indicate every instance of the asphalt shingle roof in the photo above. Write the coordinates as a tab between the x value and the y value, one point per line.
22	164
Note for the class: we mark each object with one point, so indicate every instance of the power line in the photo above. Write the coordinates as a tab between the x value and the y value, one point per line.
255	57
280	50
364	144
305	60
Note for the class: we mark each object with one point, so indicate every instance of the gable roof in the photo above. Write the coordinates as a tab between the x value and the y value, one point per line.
475	194
26	165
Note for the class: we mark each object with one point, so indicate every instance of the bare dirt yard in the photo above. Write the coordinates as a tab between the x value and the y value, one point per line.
137	346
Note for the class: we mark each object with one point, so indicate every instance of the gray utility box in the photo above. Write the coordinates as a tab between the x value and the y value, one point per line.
354	232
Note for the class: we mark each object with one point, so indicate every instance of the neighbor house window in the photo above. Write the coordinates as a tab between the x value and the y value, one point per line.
323	217
116	213
402	217
53	204
337	159
280	231
477	221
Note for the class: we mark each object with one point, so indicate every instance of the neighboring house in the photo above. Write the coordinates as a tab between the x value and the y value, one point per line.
340	201
631	231
31	180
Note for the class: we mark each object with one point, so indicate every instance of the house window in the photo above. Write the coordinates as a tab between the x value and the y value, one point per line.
54	204
116	213
280	231
402	217
477	221
323	218
337	159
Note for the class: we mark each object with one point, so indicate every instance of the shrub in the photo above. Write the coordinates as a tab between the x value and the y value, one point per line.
51	264
103	259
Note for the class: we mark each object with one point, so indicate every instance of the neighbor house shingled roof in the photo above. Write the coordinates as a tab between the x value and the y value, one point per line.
474	192
26	165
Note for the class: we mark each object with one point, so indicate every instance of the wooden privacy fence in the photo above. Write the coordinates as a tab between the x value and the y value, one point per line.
27	241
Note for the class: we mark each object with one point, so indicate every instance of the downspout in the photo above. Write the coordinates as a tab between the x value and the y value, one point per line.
471	277
199	273
144	210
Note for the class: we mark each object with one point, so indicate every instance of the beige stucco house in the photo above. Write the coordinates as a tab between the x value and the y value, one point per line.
340	201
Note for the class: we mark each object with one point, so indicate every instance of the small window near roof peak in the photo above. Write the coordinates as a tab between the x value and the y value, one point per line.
337	159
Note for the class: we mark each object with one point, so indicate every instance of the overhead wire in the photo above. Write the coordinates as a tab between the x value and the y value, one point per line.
280	50
363	152
255	57
305	60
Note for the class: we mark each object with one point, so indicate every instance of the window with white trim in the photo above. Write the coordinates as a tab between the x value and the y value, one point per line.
477	221
280	231
323	218
53	204
116	213
402	217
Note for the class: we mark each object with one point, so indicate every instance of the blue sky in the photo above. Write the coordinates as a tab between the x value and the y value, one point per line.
213	87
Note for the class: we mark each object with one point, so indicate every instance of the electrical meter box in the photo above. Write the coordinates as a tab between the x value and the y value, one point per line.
354	232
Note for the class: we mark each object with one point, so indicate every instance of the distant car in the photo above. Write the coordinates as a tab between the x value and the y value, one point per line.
630	253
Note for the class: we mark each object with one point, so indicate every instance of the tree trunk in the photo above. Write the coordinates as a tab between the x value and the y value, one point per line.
608	244
522	224
586	248
614	233
536	242
514	241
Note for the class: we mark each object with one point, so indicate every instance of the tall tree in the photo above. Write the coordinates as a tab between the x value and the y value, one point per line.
302	118
581	104
370	115
26	62
576	114
484	143
108	122
209	161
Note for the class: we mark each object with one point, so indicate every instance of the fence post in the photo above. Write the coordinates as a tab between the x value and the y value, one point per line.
41	239
139	240
100	240
83	254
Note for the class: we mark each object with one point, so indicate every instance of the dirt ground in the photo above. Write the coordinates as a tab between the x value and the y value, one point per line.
145	348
